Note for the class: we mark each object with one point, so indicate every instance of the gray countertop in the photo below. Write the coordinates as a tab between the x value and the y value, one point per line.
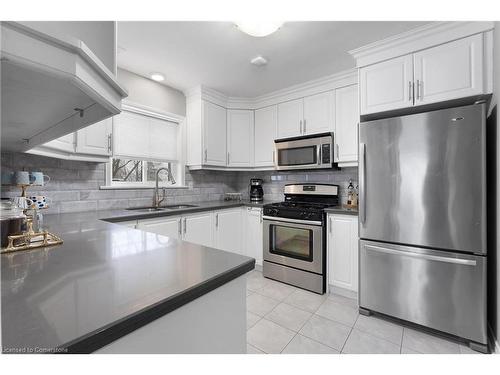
341	210
102	276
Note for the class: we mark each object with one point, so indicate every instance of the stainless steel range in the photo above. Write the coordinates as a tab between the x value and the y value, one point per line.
295	236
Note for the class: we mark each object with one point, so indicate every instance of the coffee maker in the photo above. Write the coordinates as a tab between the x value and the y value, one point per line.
256	191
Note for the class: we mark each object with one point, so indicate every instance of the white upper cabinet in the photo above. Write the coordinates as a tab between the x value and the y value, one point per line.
343	252
290	118
228	230
346	124
318	113
240	138
453	70
449	71
214	134
95	139
386	85
65	143
266	123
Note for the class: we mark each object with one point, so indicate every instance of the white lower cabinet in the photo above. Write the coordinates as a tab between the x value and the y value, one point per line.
237	230
131	223
197	228
166	226
342	252
253	236
228	230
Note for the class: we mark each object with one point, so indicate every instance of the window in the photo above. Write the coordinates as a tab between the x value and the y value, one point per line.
141	172
144	143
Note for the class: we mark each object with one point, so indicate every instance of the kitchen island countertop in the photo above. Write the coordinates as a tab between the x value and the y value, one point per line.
103	282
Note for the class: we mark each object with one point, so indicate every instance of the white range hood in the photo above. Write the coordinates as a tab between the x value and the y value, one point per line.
50	87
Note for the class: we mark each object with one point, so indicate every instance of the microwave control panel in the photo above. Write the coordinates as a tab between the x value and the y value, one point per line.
325	153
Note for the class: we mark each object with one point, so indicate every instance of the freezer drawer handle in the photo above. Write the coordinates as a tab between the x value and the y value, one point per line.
465	262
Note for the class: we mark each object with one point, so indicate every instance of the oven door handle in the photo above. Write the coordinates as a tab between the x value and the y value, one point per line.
295	221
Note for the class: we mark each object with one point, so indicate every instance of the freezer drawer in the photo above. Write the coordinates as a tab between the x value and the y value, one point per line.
441	290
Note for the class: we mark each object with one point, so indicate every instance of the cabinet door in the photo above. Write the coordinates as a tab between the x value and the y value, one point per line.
449	71
198	228
64	143
266	123
253	233
166	226
387	85
228	230
130	223
214	130
343	251
95	139
318	113
130	135
290	117
346	124
240	138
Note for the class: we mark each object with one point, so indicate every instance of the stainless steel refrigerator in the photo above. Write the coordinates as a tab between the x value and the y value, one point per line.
422	224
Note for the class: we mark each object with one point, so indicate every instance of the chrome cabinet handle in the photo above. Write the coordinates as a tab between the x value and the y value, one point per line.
418	89
217	220
109	142
410	91
300	122
228	158
185	225
362	183
180	228
421	90
437	258
304	126
205	155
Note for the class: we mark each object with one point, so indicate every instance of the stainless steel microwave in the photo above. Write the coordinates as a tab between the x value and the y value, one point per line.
306	152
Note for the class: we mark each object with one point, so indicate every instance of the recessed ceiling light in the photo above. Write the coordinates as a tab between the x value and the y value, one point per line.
259	28
157	77
259	61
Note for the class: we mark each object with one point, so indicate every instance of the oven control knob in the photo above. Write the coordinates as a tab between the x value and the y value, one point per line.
274	212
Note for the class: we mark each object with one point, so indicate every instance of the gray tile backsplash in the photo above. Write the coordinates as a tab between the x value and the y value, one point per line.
74	185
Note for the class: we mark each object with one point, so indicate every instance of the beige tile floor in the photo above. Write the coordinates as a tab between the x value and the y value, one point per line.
284	319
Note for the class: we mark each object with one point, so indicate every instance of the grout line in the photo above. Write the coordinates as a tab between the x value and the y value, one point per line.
288	343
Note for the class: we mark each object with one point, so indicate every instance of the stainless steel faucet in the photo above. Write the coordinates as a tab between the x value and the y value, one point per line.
156	200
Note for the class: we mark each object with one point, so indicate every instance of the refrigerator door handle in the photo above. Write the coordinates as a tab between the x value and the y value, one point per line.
464	262
362	183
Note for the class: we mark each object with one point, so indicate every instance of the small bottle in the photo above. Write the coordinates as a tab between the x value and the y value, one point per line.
350	193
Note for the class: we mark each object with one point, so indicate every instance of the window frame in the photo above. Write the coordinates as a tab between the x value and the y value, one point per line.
181	152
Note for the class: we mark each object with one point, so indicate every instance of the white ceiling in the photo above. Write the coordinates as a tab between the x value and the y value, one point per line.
217	54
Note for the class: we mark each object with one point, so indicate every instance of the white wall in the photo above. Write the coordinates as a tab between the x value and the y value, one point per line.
152	94
99	36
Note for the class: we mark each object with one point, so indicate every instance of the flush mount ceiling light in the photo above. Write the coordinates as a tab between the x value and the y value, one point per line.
259	61
158	77
259	28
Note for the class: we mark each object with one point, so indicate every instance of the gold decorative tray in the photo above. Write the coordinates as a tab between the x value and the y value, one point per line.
28	241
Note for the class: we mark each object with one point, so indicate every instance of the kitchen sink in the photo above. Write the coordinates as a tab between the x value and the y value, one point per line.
162	208
146	209
178	206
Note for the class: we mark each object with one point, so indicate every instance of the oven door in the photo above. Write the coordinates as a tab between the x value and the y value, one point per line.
294	243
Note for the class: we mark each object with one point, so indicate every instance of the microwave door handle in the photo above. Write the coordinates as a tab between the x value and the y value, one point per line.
319	154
